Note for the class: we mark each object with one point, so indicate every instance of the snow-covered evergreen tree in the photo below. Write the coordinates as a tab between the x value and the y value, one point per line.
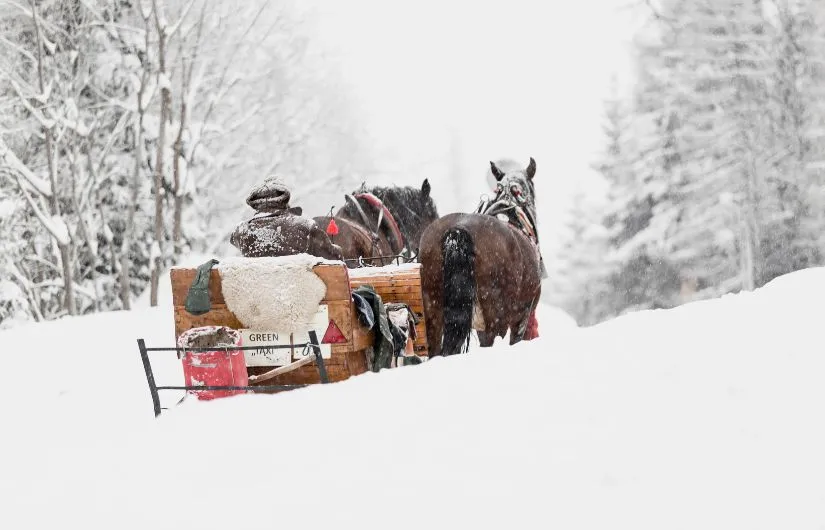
716	173
580	268
793	233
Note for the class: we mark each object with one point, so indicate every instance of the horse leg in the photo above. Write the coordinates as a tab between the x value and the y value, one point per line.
532	331
485	338
519	328
432	294
435	327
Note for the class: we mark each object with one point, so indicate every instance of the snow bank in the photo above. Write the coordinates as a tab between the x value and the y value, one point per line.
555	319
387	269
706	416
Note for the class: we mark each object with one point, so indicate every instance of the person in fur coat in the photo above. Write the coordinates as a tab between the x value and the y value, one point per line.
277	229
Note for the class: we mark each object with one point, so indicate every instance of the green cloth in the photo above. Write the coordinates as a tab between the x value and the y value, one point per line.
382	350
197	300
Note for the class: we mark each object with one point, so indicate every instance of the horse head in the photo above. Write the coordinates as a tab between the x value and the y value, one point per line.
514	190
515	185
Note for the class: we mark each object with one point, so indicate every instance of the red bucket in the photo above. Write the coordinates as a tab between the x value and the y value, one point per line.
223	366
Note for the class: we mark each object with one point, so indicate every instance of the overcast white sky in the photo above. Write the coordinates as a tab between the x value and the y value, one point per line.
513	78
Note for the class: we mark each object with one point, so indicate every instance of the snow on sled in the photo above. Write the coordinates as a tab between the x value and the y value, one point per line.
290	321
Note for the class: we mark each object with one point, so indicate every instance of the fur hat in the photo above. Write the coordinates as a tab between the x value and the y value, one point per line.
272	196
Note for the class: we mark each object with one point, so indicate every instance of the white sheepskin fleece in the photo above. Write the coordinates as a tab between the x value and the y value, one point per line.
278	294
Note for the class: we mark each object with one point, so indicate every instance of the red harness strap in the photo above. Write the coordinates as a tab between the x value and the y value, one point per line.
375	201
532	331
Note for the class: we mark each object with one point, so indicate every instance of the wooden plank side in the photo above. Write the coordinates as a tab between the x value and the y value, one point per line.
362	338
182	279
335	277
397	286
375	277
364	274
411	269
220	315
341	312
388	283
409	291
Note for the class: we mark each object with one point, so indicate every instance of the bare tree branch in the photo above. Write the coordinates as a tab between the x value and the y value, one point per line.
184	13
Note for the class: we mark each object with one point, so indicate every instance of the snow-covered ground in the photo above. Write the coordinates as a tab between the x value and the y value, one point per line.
706	416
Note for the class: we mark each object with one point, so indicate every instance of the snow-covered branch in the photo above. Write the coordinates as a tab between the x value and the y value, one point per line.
18	169
53	224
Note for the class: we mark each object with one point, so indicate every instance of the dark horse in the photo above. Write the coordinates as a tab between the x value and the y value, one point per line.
380	223
482	270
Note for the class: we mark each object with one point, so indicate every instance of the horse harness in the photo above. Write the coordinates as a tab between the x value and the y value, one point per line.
524	221
500	209
383	214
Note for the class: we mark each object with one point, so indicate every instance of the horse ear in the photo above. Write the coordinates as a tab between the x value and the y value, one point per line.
425	188
531	169
496	171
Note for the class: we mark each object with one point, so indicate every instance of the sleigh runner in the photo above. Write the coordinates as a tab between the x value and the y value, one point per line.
277	354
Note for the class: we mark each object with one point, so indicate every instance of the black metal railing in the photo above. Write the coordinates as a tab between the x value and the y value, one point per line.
154	388
362	260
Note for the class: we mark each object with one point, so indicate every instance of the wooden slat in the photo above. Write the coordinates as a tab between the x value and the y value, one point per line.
399	287
357	361
413	287
378	280
357	277
362	338
409	268
412	293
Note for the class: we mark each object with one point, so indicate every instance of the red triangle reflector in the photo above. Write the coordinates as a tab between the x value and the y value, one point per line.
333	335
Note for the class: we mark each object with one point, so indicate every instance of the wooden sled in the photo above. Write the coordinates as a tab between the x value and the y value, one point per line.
345	358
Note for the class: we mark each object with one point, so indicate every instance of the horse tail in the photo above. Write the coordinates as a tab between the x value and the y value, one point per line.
459	290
